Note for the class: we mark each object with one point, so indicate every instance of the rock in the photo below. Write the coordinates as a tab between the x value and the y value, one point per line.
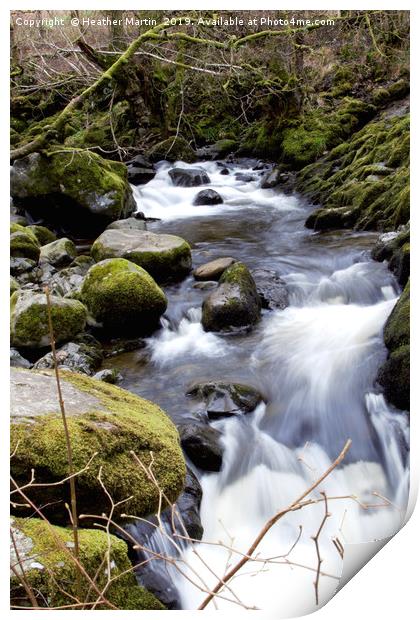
76	356
23	243
123	297
395	248
45	551
202	444
235	303
75	191
19	265
218	150
172	149
165	257
14	285
220	399
58	253
271	289
140	170
330	219
102	419
214	269
394	374
108	375
207	197
29	319
188	505
17	360
274	177
224	171
66	283
130	223
245	178
43	234
205	286
188	177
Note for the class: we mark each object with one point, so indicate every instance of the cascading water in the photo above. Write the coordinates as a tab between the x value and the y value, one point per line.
315	363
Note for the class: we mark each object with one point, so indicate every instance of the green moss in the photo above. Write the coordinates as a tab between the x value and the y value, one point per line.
23	243
43	234
14	285
55	584
301	146
122	296
120	423
29	319
172	149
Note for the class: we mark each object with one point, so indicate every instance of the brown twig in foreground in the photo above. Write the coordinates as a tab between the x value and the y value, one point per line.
318	552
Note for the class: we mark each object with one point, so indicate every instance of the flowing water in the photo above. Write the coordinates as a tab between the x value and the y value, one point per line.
315	363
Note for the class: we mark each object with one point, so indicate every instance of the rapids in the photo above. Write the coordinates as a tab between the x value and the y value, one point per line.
315	363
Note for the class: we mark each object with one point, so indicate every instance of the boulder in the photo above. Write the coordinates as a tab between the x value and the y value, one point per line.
395	248
122	297
224	171
394	374
140	170
207	197
274	177
77	356
172	149
331	219
131	223
59	253
244	177
29	319
108	375
165	257
17	360
43	234
14	285
220	399
23	243
106	424
45	551
214	269
76	192
202	444
188	177
235	304
19	265
271	289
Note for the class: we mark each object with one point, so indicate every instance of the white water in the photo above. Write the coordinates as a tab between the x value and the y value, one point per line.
316	363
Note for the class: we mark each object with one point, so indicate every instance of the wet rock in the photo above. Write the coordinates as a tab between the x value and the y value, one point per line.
188	505
79	357
205	286
108	375
58	253
29	319
224	171
235	304
394	374
274	177
164	257
188	177
221	399
20	265
202	444
207	197
79	192
130	223
395	248
330	219
213	269
271	289
140	170
245	178
218	150
122	297
17	360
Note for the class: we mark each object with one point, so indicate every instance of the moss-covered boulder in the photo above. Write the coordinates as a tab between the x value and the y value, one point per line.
29	319
234	304
122	297
42	233
45	553
59	253
165	257
23	243
105	423
394	375
14	285
76	191
395	248
172	149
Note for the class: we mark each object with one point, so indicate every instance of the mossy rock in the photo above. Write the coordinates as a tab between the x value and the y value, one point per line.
74	190
14	285
59	253
122	297
29	319
172	149
394	375
45	553
164	257
235	304
42	233
105	421
23	242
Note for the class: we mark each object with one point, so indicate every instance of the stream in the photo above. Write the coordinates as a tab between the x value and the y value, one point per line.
315	364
